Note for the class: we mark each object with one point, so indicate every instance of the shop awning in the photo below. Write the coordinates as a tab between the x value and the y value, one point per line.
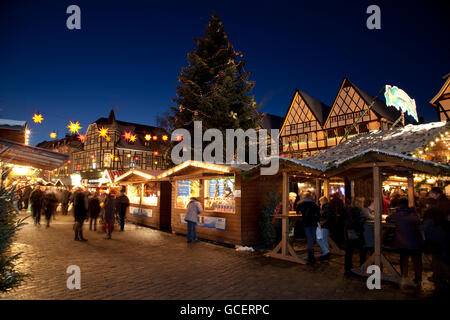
21	154
138	176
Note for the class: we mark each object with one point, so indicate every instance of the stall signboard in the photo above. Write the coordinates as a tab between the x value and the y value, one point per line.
208	222
143	212
183	189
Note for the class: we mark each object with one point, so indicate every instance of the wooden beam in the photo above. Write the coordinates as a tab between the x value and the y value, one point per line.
411	202
318	193
326	188
285	207
377	198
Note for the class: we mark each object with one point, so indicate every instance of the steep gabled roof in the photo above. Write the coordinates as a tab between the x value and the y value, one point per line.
379	106
318	108
445	88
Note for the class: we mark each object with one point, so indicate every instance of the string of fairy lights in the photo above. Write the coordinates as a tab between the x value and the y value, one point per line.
441	140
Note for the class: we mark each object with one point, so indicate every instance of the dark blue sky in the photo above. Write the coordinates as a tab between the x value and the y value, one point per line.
128	54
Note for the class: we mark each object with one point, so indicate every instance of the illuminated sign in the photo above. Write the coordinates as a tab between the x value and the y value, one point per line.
400	100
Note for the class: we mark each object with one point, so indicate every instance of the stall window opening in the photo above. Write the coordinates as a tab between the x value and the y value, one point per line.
150	196
219	194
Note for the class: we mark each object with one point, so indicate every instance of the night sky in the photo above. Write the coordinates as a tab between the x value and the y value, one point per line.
128	54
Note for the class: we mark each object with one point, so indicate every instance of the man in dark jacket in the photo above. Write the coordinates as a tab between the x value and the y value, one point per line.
437	233
93	211
65	199
408	238
80	205
310	215
49	205
122	203
36	199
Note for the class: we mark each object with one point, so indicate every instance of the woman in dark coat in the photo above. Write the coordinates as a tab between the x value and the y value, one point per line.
408	238
109	215
93	211
80	213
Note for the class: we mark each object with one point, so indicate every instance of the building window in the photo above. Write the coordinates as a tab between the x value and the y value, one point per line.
340	131
363	128
331	133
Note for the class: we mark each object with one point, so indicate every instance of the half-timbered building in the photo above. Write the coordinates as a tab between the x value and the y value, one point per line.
311	126
441	100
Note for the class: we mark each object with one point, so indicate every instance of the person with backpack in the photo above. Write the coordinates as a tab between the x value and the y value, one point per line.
310	215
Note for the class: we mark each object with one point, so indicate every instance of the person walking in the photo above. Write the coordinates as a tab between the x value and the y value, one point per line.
80	213
408	239
353	229
311	214
26	196
194	208
109	215
65	199
122	203
93	211
326	223
49	205
36	199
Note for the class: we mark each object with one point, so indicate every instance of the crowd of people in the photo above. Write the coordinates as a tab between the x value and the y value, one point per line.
82	204
418	229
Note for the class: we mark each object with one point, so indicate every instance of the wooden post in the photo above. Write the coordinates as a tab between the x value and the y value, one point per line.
326	188
411	202
285	221
377	198
317	190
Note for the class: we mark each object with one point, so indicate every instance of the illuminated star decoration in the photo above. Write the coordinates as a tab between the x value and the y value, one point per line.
127	135
37	118
53	135
82	137
74	127
103	132
133	138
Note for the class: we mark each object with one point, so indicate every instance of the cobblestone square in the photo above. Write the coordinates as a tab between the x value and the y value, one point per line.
143	263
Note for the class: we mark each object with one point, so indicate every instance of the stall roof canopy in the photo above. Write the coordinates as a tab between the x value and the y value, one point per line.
134	175
399	141
21	154
205	167
395	163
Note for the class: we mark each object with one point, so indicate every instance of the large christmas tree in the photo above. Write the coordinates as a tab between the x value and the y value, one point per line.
214	88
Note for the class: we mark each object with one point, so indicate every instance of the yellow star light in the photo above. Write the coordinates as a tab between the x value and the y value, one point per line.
37	118
74	127
103	132
133	138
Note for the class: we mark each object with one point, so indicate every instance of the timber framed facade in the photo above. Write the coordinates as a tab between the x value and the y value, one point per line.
442	100
311	126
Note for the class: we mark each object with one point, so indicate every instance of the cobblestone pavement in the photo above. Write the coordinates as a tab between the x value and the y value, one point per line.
142	263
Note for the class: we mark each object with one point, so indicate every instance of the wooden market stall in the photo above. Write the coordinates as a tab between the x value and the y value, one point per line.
232	198
149	198
368	170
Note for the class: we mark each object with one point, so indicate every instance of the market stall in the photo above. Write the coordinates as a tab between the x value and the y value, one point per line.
232	198
149	198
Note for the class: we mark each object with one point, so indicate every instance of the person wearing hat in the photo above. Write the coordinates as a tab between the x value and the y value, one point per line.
194	208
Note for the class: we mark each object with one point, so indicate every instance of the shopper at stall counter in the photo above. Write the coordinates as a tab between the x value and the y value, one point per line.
194	208
311	215
408	238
